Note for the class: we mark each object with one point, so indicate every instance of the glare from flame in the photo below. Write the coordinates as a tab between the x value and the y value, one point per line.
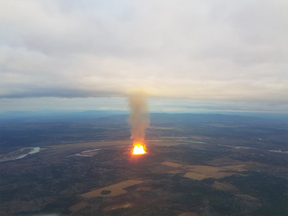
139	149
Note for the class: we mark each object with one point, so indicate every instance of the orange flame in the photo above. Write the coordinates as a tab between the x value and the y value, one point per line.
139	149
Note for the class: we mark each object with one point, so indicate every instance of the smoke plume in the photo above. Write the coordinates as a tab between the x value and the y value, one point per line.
139	117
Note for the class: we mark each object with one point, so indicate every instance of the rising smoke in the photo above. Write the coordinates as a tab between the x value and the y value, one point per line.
139	116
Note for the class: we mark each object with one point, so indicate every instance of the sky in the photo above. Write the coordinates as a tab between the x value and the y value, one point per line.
186	55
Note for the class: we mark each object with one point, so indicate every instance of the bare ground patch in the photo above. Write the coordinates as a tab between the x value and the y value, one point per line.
200	172
171	164
246	196
115	189
78	206
224	186
175	171
113	207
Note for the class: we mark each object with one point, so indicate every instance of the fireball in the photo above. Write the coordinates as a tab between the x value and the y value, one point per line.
139	149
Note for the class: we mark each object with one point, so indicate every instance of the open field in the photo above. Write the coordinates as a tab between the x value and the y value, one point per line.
171	164
191	169
113	207
246	196
115	189
78	206
223	186
200	172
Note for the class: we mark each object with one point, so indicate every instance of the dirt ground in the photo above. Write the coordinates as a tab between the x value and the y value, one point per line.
200	172
246	196
172	164
78	206
113	207
224	186
116	189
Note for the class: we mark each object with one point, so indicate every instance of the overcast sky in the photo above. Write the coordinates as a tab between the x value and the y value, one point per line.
220	54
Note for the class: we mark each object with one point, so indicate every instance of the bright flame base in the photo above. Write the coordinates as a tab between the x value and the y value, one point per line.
139	149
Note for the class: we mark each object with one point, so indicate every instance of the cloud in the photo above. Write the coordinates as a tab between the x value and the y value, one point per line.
228	50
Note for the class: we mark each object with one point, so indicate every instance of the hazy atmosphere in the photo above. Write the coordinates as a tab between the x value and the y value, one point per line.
143	108
206	55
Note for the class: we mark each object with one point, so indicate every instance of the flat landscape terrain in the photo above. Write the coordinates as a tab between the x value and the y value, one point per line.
112	190
197	165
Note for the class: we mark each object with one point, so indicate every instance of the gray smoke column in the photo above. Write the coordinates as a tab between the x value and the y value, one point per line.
139	116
